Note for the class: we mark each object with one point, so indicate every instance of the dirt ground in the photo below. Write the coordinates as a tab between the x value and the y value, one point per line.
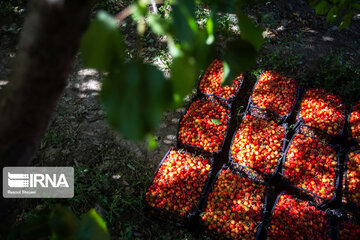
78	132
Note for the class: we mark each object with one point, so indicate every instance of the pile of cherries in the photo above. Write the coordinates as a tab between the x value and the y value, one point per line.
353	177
204	125
275	92
294	219
348	230
234	207
323	110
258	144
210	83
179	183
355	121
311	164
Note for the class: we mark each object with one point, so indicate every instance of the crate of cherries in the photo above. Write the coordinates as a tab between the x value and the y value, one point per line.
211	82
177	187
352	178
354	121
274	95
292	218
323	111
348	229
234	207
258	144
204	126
311	165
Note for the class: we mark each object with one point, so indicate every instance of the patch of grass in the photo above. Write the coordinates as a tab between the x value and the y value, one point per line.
336	73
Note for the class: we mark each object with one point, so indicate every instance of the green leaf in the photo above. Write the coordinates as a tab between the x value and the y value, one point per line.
313	3
102	46
345	4
134	98
184	21
63	222
139	10
221	5
216	121
333	14
345	22
356	6
183	75
210	31
249	31
322	7
152	143
159	25
239	56
92	227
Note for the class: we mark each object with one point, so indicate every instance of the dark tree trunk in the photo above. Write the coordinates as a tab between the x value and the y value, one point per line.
48	44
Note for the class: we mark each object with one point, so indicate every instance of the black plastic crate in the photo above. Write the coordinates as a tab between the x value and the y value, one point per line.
347	229
240	213
354	119
306	166
352	175
163	210
258	171
259	111
212	122
310	123
201	91
294	218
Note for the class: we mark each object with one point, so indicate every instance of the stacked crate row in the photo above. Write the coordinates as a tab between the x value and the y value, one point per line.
182	178
277	184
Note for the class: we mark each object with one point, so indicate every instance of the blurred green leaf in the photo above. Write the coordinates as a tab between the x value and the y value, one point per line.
102	46
159	25
356	6
313	3
139	10
226	6
184	21
152	143
345	22
322	7
92	227
62	222
345	4
239	56
216	121
249	31
333	14
183	75
135	97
